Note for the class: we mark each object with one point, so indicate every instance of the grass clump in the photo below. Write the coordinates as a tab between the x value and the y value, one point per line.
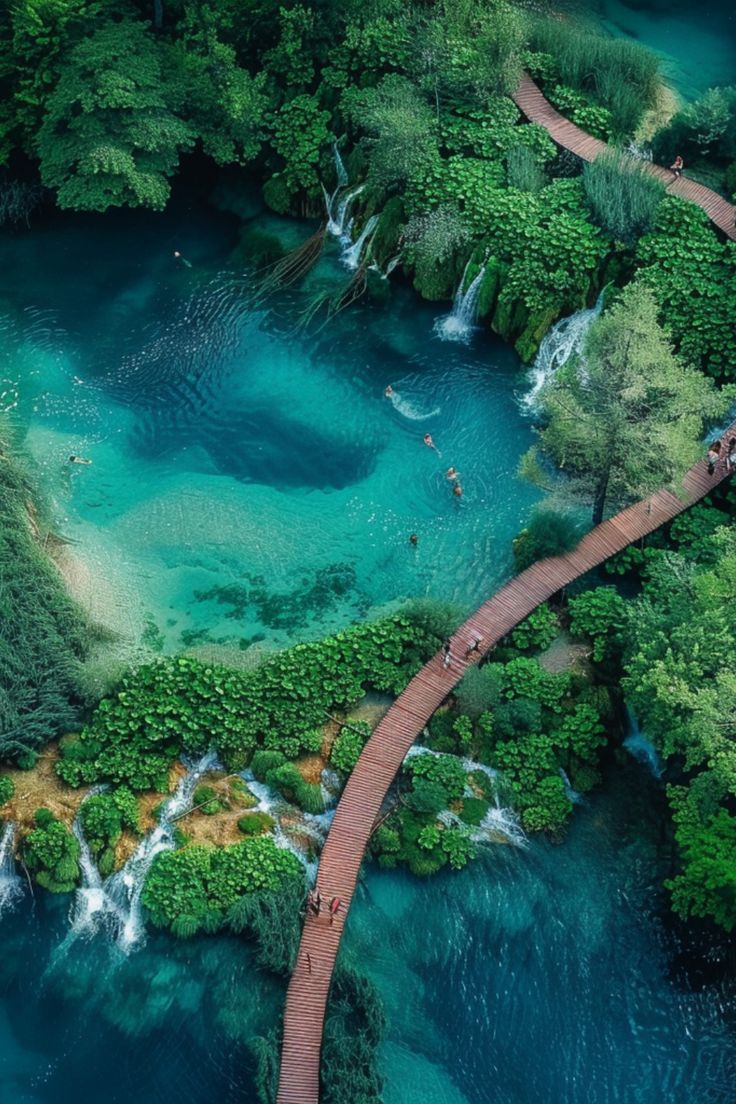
622	195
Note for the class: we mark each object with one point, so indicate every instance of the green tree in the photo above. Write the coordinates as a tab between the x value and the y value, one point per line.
113	129
627	417
402	129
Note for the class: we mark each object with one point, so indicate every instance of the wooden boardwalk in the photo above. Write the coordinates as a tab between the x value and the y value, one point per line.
386	749
537	109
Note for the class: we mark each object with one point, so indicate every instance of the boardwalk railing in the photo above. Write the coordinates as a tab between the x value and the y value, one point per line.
531	100
386	749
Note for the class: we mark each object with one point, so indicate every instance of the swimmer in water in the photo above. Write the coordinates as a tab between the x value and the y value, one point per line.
414	539
452	474
457	490
183	260
78	460
389	391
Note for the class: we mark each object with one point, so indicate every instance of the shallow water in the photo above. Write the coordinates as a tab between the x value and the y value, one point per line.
231	450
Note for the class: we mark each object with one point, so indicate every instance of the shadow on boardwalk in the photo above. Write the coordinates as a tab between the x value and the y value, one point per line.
537	109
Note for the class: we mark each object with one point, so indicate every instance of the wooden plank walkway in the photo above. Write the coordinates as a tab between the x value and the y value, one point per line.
386	749
530	99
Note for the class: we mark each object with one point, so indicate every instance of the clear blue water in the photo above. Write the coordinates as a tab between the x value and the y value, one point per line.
231	449
697	42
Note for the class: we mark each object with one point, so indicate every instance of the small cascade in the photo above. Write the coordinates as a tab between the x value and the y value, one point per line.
641	748
91	903
341	176
564	339
351	256
459	324
571	794
500	821
338	221
330	786
11	884
313	825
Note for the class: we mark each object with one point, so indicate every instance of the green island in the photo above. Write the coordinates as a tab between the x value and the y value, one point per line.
310	342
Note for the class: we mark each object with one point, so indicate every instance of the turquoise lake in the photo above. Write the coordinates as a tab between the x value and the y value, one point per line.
251	483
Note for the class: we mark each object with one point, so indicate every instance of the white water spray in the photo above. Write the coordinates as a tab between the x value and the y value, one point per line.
641	748
564	339
351	256
459	324
571	794
11	884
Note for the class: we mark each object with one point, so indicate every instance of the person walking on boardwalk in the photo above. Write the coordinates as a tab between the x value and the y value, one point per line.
677	166
714	455
314	900
335	906
474	645
731	454
446	654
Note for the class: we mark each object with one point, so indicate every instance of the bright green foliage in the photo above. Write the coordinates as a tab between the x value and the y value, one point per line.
208	801
633	420
348	745
401	127
622	194
692	531
547	806
289	782
445	770
525	678
458	847
111	133
705	127
581	733
51	853
183	887
43	636
537	631
254	824
265	761
102	826
434	242
707	842
127	805
429	837
300	132
523	170
427	797
600	615
7	789
182	705
693	277
680	682
577	107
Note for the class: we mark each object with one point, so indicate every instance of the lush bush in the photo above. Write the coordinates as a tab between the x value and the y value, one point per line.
622	195
444	770
181	705
480	689
348	745
548	533
289	782
693	277
271	916
102	826
255	824
599	615
51	853
194	888
208	801
537	631
7	789
523	170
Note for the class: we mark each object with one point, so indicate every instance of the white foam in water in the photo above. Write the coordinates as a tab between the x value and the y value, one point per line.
500	821
11	884
564	339
351	256
409	410
641	748
459	324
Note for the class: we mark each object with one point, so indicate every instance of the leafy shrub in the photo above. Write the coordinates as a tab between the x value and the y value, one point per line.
582	732
7	789
183	887
474	809
208	801
537	631
547	806
458	847
51	853
254	824
480	689
348	745
271	917
445	770
599	615
289	782
523	170
548	533
102	827
265	761
623	196
527	679
578	107
426	797
181	705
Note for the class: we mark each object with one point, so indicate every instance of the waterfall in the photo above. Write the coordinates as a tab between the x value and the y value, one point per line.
564	339
641	748
91	903
314	825
330	786
351	256
460	323
11	885
500	821
571	794
335	219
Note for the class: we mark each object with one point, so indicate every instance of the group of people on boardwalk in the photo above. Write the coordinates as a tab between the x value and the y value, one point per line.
314	904
717	454
472	649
